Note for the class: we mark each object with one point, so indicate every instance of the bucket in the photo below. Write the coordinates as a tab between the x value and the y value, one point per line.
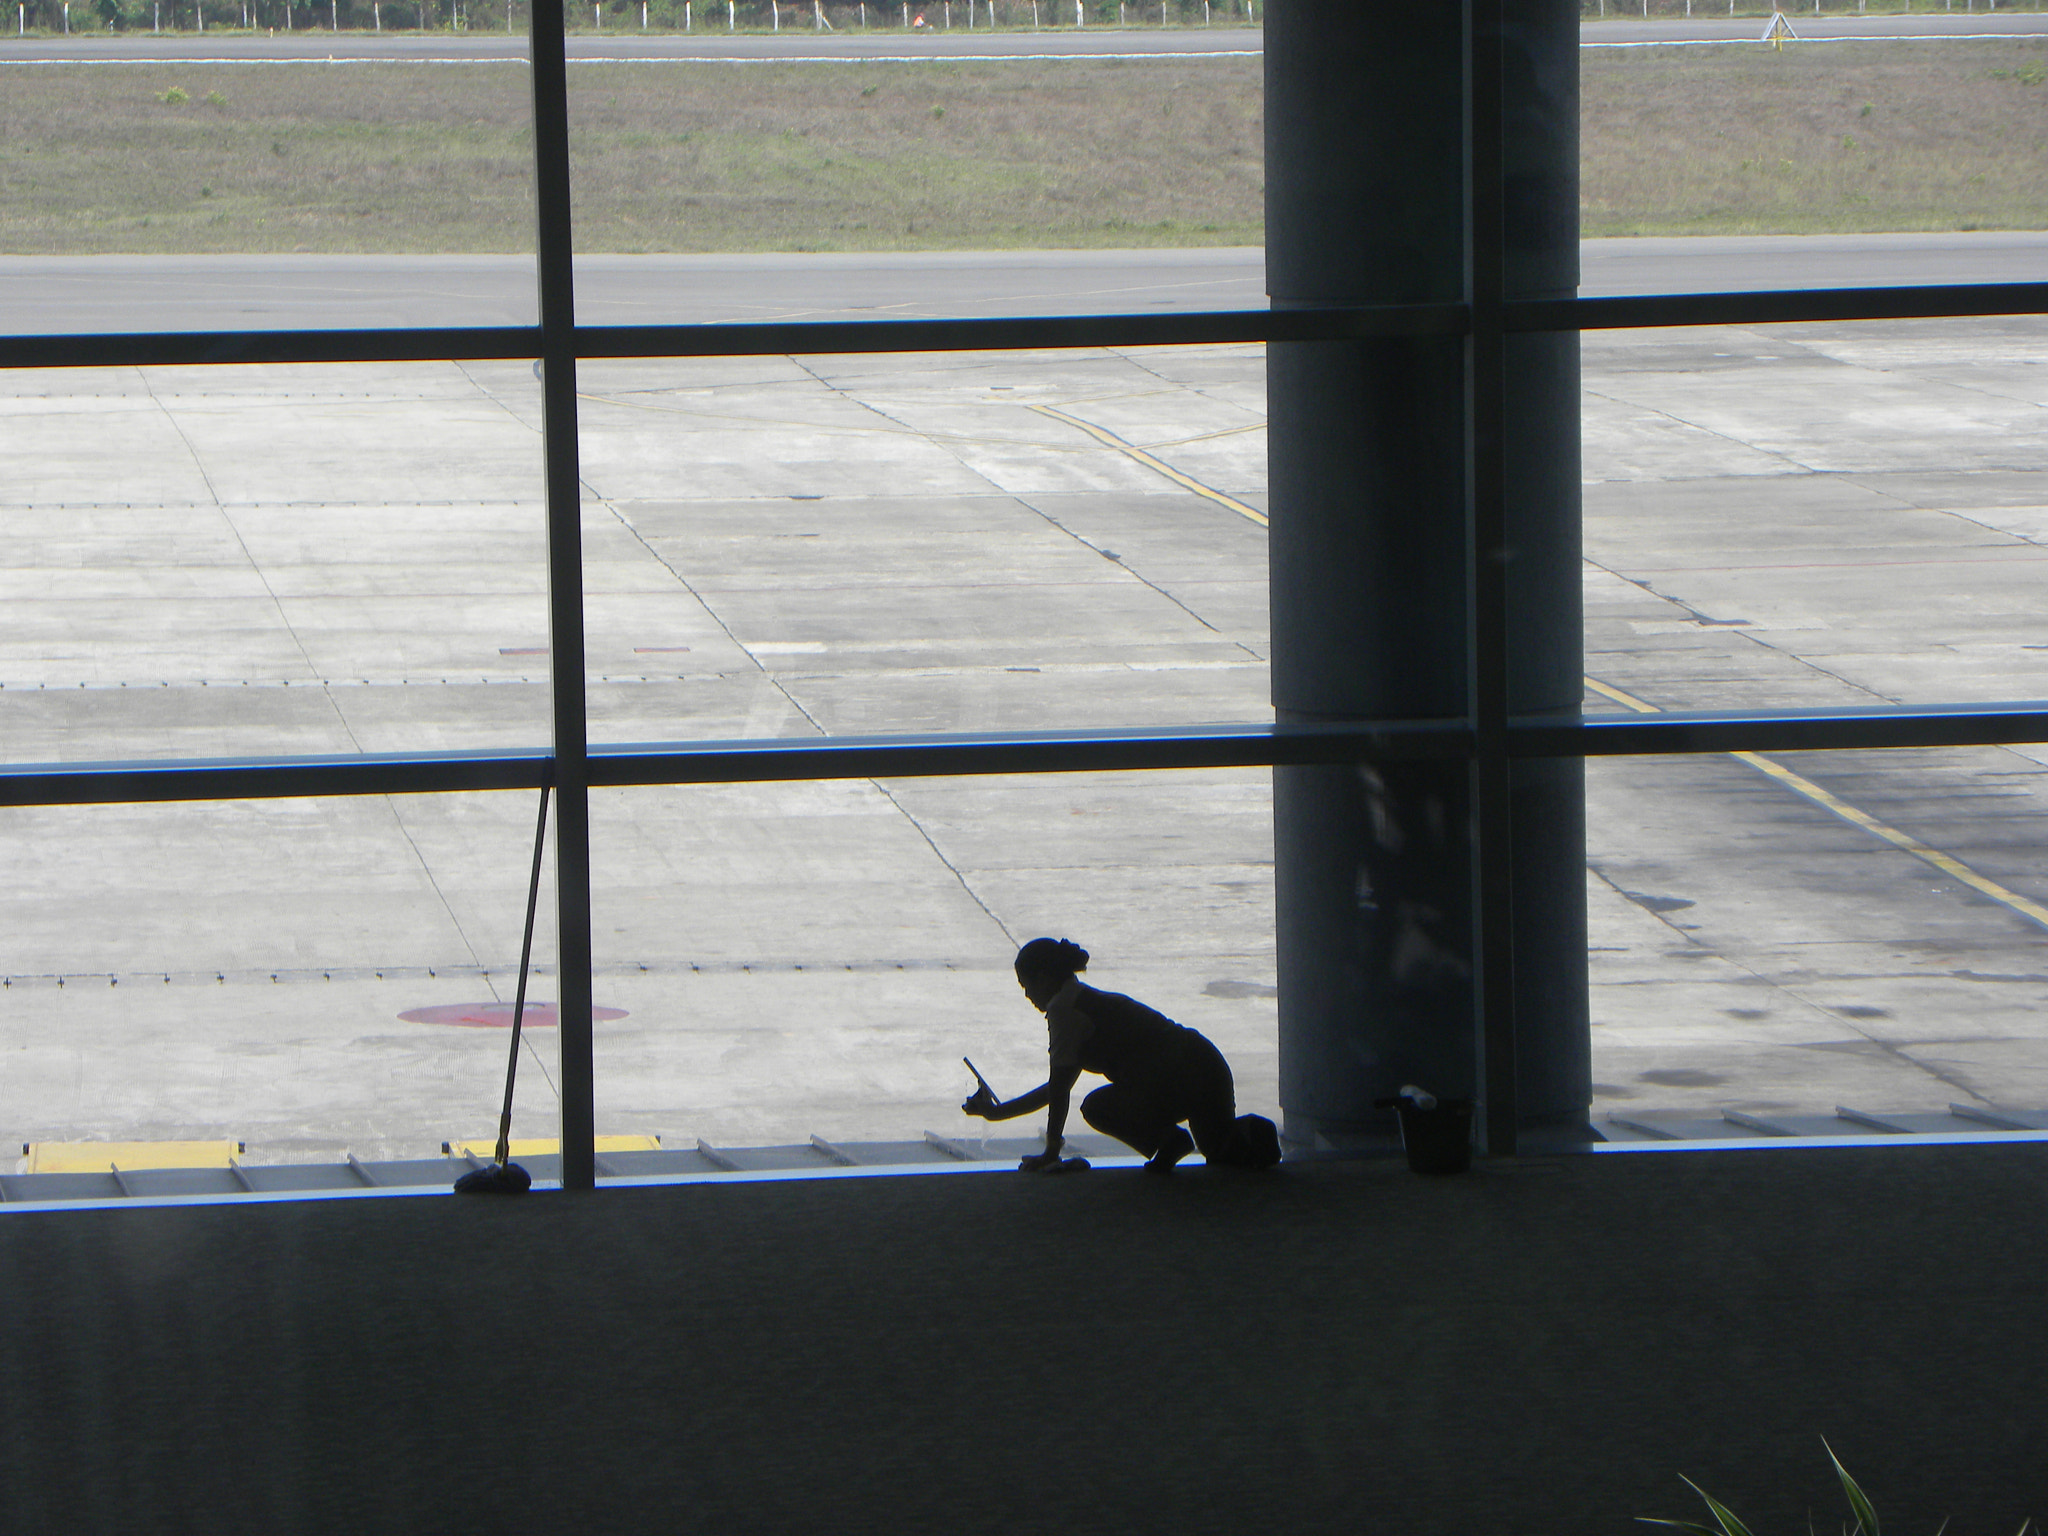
1438	1139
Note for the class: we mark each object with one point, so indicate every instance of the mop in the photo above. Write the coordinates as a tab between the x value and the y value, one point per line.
503	1176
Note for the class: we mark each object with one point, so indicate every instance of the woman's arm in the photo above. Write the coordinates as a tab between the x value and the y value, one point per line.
1058	1094
1054	1097
989	1107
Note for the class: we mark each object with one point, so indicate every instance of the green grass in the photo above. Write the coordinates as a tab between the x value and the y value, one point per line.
389	157
908	156
1816	139
881	156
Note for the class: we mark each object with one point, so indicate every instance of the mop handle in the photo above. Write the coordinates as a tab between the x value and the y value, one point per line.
540	833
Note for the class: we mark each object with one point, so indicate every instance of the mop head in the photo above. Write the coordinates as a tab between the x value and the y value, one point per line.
494	1179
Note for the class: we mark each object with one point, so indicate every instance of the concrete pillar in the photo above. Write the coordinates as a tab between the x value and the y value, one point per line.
1365	201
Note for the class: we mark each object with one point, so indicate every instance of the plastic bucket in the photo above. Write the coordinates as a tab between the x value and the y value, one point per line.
1437	1140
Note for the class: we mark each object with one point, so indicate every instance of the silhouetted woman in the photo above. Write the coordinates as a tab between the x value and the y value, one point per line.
1160	1074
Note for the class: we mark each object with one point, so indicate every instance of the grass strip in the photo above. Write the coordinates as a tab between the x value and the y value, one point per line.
1836	138
696	156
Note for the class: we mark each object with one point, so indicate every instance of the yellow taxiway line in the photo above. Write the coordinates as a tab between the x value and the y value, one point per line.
1948	864
1132	451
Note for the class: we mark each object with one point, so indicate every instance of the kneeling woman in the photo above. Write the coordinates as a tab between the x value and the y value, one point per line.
1160	1074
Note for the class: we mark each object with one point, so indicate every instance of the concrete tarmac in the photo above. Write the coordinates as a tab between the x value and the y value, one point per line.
206	562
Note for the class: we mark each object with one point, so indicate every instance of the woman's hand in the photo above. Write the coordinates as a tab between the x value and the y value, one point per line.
982	1103
1040	1162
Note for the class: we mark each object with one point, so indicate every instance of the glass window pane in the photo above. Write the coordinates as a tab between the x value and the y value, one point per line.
1783	934
887	186
207	562
858	545
331	191
815	959
1817	516
1811	142
311	976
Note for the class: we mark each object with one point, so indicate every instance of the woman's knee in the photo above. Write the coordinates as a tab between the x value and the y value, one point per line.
1101	1109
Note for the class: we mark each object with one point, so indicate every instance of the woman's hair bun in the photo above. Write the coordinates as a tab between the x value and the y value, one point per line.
1058	957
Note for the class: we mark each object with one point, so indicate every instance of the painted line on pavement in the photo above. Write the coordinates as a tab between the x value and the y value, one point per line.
1861	37
1948	864
1131	450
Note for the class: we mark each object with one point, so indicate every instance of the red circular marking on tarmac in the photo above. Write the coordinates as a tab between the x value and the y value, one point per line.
499	1015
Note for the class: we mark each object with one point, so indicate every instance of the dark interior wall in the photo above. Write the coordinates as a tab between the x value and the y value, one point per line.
1538	1348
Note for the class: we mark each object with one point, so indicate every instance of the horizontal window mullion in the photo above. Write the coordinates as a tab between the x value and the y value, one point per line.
1021	333
268	778
1778	306
1693	731
749	339
718	762
182	348
949	755
1245	746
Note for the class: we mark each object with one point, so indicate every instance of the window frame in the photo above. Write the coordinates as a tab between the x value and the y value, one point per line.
1487	737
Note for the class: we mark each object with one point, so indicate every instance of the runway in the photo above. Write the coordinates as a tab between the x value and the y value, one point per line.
113	294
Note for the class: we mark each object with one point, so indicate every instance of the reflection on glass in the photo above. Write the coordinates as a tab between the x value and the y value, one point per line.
309	977
879	544
207	562
814	959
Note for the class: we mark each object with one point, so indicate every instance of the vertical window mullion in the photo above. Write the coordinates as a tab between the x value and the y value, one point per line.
553	257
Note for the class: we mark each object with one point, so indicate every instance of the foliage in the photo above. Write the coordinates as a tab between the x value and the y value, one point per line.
1726	1523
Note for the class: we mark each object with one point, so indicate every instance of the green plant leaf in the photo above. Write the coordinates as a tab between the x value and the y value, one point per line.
1866	1517
1729	1525
1720	1511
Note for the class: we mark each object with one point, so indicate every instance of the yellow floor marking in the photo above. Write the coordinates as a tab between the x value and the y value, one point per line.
1254	426
541	1146
1131	450
100	1156
1948	864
